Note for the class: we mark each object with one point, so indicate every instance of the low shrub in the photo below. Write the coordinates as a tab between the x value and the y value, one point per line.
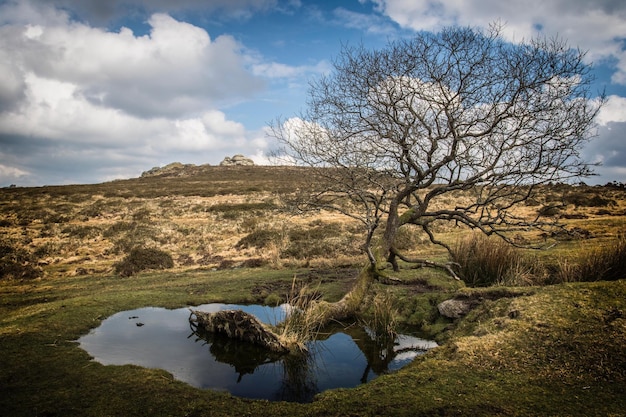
532	202
82	232
227	264
17	263
46	249
408	237
587	200
142	215
141	259
483	261
260	238
253	263
127	236
185	260
235	209
318	241
119	228
302	249
549	211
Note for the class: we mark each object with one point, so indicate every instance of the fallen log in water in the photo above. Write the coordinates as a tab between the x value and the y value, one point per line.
238	325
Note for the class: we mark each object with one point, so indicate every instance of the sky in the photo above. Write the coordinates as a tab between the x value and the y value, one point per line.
94	90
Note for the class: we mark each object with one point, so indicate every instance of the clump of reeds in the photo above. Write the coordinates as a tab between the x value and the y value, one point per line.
483	261
602	263
302	320
382	321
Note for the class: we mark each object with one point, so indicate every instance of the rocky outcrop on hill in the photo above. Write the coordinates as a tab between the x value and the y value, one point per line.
237	160
175	169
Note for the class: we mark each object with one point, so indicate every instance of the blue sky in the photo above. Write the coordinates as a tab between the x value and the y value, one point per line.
96	90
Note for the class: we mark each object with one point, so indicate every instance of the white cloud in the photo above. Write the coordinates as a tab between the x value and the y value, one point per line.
100	11
609	148
12	85
279	70
81	104
212	131
174	70
614	110
23	12
59	124
55	110
597	26
369	23
8	173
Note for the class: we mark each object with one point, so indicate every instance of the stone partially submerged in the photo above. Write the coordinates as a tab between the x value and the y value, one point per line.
238	325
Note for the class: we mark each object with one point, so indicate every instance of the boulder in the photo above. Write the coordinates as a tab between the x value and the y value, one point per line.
454	308
237	160
173	169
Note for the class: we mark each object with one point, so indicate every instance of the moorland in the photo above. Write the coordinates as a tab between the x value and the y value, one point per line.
546	334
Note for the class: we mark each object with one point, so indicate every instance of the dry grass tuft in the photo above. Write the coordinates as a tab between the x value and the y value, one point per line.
484	261
598	263
382	320
302	322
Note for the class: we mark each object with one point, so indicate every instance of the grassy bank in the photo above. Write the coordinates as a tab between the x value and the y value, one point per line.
557	350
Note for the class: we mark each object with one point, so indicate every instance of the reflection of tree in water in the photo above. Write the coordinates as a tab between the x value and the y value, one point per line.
298	383
299	380
378	350
244	357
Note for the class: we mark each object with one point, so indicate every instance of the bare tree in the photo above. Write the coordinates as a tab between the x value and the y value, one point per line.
392	132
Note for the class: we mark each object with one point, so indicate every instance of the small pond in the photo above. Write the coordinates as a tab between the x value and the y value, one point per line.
160	338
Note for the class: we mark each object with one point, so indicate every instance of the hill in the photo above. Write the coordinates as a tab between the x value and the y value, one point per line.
74	255
225	216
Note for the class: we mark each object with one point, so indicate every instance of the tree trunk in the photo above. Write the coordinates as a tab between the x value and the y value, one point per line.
238	325
242	326
349	305
393	222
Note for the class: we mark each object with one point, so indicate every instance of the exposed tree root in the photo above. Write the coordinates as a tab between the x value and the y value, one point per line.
425	262
238	325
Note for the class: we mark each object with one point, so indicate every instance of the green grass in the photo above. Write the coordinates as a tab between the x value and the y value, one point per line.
562	353
46	373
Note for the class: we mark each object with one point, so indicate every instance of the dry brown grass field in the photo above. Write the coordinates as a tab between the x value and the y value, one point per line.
217	218
229	217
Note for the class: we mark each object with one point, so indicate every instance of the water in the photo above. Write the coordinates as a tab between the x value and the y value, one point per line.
160	338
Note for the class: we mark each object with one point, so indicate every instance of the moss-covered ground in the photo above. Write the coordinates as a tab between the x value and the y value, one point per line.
557	350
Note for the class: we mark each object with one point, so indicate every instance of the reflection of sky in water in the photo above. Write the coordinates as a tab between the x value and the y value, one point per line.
408	348
160	338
